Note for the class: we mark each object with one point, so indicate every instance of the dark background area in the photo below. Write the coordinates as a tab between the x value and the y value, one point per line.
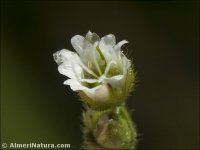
164	43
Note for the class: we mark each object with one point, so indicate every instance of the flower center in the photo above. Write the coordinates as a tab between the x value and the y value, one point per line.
103	70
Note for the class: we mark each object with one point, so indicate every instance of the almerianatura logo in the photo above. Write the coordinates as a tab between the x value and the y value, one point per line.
103	77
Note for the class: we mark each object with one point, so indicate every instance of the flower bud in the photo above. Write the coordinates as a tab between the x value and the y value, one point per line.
114	130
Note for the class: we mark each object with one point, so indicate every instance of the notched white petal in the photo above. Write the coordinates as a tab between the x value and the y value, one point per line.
92	37
98	93
119	45
71	70
106	46
89	80
62	55
75	85
68	62
108	40
77	42
80	44
115	81
126	63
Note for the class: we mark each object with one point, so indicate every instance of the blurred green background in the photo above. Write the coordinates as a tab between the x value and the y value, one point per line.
164	42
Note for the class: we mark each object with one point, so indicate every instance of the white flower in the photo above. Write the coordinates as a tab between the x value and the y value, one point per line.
98	71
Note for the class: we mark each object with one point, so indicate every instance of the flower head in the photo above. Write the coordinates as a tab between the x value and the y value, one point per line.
99	71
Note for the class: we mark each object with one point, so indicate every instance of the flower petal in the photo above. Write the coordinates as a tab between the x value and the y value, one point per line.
62	55
115	81
106	46
68	63
125	64
108	41
92	37
85	49
89	80
98	93
80	44
75	85
118	47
